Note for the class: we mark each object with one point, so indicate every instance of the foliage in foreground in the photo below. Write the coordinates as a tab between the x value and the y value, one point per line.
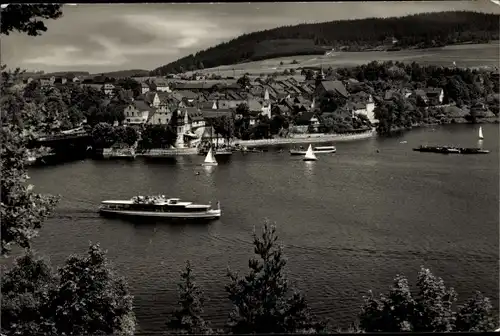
262	302
22	211
26	18
430	310
187	319
85	296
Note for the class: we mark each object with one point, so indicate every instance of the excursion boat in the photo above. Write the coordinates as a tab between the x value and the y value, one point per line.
317	150
159	207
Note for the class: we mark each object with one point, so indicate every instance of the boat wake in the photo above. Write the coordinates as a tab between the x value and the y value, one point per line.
75	214
389	254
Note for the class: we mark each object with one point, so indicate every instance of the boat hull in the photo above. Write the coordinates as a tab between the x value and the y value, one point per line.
217	153
299	152
447	150
208	215
209	164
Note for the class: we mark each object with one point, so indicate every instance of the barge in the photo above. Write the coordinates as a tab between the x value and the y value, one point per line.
450	150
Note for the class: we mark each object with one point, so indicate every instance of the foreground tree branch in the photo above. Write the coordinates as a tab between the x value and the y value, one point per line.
27	18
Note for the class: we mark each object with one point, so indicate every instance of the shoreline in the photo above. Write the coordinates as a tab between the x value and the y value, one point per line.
309	139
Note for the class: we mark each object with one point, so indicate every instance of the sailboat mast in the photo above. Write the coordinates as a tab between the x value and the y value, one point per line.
216	140
211	139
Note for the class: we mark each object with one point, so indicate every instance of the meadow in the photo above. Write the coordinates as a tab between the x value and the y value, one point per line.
466	55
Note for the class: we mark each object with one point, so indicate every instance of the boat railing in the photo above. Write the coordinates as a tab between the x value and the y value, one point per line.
148	199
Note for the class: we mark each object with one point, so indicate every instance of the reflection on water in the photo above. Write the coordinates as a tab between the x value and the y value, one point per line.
480	143
209	169
309	168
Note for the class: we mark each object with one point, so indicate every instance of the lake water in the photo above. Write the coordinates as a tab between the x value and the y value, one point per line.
349	222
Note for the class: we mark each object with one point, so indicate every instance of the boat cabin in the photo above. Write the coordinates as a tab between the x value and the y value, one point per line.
153	204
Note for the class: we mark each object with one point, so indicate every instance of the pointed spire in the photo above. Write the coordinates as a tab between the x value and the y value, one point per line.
266	95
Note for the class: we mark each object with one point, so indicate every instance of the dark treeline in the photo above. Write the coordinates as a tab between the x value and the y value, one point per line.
61	107
420	30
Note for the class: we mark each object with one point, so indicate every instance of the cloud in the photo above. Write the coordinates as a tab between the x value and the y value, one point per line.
122	39
98	38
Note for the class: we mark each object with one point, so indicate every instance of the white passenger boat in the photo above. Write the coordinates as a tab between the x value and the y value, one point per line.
159	207
317	150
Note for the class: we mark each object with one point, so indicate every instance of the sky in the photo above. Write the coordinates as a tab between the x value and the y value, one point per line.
108	37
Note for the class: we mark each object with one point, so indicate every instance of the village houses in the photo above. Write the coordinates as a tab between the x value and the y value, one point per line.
137	113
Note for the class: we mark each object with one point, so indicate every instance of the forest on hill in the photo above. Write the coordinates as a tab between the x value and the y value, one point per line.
413	31
113	74
125	73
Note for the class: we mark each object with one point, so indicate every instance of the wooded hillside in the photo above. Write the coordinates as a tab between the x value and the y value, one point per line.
419	31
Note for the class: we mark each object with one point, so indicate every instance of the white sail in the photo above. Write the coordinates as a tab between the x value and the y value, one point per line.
481	133
210	159
310	154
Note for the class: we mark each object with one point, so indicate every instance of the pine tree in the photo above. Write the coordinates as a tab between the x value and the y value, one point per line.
430	310
475	315
261	300
187	318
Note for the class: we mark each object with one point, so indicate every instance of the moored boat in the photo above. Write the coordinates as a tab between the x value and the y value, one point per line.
317	150
450	150
218	151
159	207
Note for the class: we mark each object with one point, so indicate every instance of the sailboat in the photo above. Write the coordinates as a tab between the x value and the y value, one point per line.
210	159
310	156
481	133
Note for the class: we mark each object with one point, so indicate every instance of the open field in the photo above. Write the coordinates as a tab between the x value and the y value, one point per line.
468	55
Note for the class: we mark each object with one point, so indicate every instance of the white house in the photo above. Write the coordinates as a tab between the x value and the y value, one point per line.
190	127
108	89
137	113
152	98
161	115
435	95
366	109
144	88
266	109
162	86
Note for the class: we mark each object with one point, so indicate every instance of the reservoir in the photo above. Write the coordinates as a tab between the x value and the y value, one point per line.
349	222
